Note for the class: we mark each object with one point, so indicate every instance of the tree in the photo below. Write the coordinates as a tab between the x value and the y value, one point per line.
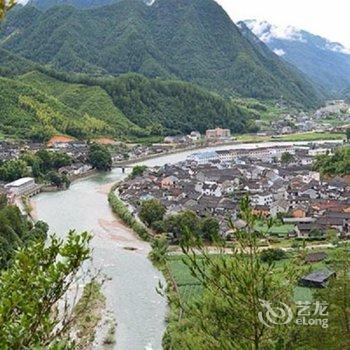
34	311
57	180
271	255
13	170
6	5
236	289
159	250
15	232
100	157
347	134
183	225
152	211
210	229
287	158
336	164
138	170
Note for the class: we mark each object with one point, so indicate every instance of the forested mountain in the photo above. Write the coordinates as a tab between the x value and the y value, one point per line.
131	105
190	40
46	4
325	62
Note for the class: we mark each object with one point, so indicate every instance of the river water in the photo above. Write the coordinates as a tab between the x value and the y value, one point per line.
131	290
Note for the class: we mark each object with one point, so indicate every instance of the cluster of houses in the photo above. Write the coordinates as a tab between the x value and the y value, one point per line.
213	183
211	135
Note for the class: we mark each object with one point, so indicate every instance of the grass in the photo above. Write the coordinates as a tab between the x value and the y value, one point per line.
309	136
88	313
276	230
190	288
122	211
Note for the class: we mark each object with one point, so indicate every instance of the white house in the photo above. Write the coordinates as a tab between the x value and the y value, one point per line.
204	157
262	199
20	187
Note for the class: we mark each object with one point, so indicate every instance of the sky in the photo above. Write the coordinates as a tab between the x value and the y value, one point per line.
327	18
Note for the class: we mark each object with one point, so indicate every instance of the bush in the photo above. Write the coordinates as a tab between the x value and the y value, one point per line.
271	255
151	211
124	214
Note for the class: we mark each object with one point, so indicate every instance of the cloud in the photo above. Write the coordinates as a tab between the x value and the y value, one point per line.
279	52
267	32
336	47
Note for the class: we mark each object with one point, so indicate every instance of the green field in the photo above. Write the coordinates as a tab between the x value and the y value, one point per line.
189	287
276	230
310	136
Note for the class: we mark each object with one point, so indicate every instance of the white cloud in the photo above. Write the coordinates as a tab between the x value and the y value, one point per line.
266	32
329	19
336	47
279	52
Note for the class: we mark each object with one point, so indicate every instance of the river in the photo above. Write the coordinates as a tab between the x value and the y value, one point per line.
131	291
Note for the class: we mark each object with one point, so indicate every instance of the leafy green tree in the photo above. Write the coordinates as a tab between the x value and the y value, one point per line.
183	225
41	134
16	231
152	211
236	288
100	157
336	164
34	311
57	180
13	170
53	160
138	170
210	229
159	250
287	158
271	255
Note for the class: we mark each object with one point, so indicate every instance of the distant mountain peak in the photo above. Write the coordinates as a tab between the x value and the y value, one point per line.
268	32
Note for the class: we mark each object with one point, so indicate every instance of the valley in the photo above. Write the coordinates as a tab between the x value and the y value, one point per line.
173	176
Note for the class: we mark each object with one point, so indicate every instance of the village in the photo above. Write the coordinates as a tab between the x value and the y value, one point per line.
279	181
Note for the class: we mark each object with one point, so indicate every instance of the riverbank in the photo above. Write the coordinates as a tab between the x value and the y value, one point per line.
121	210
244	140
131	288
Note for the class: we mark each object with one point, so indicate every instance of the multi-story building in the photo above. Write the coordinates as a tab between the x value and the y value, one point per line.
218	133
20	187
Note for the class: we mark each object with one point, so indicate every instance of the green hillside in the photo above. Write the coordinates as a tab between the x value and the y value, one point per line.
129	106
189	40
169	107
12	64
86	100
26	111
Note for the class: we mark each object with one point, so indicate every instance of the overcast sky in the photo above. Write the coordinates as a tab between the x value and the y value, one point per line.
328	18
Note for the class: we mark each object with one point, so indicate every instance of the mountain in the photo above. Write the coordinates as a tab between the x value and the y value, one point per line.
46	4
189	40
325	62
29	107
83	4
129	106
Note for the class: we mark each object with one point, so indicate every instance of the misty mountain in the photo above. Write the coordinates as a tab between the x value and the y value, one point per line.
325	62
190	40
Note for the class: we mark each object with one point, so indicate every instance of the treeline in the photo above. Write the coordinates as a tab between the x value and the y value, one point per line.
43	166
168	107
334	164
16	231
152	213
